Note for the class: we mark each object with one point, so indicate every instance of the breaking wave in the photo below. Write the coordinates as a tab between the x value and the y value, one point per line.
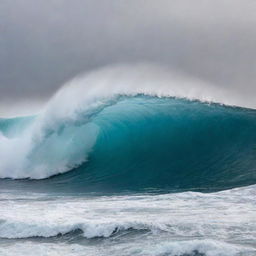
146	128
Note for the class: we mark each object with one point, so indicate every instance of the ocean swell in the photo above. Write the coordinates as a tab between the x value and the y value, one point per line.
154	132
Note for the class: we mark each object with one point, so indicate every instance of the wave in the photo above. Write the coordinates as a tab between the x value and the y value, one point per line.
133	130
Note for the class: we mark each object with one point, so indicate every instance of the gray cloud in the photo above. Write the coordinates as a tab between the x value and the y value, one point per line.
43	43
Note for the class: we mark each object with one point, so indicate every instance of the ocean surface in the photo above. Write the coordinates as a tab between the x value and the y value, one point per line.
132	174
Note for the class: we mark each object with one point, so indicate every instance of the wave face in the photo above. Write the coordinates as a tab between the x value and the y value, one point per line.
133	143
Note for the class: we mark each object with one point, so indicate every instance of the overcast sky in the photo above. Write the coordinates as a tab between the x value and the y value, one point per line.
43	43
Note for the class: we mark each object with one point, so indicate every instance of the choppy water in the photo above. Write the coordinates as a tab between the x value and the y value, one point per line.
188	223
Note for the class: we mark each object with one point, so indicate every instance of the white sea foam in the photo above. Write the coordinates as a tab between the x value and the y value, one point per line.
222	215
176	248
44	249
216	224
